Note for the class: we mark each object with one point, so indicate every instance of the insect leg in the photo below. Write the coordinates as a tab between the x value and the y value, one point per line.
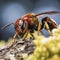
47	28
13	41
31	35
39	27
25	35
25	31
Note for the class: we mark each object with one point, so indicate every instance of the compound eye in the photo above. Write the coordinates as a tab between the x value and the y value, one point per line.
20	22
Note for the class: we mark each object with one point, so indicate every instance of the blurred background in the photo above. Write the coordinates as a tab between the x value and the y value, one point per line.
11	10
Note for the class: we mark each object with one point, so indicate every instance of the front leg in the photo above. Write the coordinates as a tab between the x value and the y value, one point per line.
25	35
25	31
13	41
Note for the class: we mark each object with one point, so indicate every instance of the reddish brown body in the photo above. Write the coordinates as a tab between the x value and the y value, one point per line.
31	22
28	18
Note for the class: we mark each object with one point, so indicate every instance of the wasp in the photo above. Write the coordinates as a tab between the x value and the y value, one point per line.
30	22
